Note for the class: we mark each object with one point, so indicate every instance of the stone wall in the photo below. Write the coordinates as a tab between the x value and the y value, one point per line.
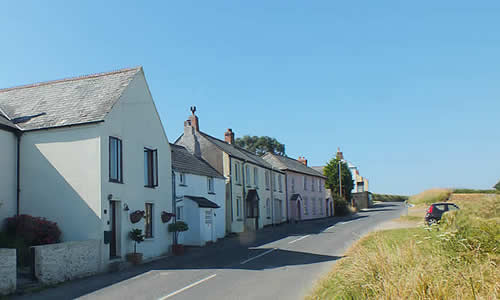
66	261
7	271
361	200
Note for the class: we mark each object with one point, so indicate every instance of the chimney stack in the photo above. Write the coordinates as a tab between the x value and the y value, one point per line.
302	160
192	120
340	155
229	136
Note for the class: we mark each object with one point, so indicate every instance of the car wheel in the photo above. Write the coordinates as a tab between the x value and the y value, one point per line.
432	221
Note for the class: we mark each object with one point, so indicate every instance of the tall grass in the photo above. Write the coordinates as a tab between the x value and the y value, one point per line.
431	196
389	198
457	259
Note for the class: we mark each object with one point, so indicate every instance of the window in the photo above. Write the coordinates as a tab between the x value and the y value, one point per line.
305	183
313	184
150	167
306	206
313	206
280	183
274	182
237	172
247	174
208	217
320	186
238	206
148	230
210	182
293	184
255	176
180	213
267	179
115	160
182	179
268	208
320	206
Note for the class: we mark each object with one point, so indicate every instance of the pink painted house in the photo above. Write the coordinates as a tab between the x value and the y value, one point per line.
305	188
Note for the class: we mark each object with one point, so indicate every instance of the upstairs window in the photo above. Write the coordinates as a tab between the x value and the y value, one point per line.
115	160
182	179
313	185
267	180
274	182
210	183
293	184
305	183
255	176
237	172
150	168
247	174
320	186
280	183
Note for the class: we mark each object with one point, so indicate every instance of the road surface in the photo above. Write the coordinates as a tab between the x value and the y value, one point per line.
275	263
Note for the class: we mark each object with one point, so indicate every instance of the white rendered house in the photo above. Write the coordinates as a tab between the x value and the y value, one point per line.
93	150
200	198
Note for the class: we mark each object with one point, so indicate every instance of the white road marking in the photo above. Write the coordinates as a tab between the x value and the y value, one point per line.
187	287
342	223
331	227
300	238
260	255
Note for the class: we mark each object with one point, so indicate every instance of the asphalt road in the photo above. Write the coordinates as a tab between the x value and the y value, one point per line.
275	263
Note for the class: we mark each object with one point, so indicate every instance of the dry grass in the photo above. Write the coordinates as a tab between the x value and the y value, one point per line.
458	259
431	196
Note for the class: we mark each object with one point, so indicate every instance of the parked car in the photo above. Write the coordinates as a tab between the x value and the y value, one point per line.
436	211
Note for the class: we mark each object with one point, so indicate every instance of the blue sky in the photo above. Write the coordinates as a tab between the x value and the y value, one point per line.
410	90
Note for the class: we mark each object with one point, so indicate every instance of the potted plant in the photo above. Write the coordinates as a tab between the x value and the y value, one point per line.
136	236
177	228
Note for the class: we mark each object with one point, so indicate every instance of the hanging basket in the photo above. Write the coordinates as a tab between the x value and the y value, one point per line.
166	216
136	216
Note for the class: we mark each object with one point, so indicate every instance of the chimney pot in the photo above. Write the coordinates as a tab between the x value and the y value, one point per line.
192	120
302	160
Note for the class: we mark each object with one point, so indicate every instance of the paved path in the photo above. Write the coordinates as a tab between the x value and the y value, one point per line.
275	263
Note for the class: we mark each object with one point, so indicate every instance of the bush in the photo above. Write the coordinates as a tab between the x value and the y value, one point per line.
341	206
389	198
33	230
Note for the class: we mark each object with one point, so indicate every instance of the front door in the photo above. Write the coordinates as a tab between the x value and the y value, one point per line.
299	216
326	206
112	220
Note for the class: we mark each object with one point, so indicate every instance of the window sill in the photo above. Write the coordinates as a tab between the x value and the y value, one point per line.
149	239
239	184
116	181
182	184
239	220
150	187
211	193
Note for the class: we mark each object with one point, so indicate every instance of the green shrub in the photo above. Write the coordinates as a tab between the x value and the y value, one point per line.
341	206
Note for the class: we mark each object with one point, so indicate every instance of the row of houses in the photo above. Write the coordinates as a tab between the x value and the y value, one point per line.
88	152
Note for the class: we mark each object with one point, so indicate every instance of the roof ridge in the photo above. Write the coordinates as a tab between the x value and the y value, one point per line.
95	75
233	145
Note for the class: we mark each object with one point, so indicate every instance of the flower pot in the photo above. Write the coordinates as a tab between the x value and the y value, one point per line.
134	258
178	249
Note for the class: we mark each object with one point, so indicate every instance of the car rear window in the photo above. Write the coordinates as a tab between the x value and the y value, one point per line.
440	206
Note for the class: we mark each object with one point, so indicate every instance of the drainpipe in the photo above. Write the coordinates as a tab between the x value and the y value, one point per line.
18	168
174	205
286	196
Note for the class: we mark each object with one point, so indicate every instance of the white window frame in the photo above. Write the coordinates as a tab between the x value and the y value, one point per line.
293	183
210	185
268	207
179	214
267	179
274	182
182	179
247	174
280	183
238	207
305	183
255	176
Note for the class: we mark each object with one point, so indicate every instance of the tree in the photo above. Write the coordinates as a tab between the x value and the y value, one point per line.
261	144
497	186
331	171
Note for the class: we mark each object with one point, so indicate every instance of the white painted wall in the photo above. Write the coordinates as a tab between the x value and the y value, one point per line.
199	233
8	174
307	196
60	179
135	121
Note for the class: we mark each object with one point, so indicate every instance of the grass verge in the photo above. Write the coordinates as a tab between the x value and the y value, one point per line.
457	259
431	196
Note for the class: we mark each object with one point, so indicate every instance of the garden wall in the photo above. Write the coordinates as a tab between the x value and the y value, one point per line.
8	271
66	261
362	199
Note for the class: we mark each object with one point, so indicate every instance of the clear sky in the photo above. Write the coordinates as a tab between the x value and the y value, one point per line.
410	90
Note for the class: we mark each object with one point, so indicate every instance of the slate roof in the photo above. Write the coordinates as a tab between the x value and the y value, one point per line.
285	163
65	102
203	202
185	162
238	152
319	169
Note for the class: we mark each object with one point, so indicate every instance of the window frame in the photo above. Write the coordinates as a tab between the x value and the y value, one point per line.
182	179
247	175
148	220
255	176
305	183
210	185
119	160
267	177
151	156
280	183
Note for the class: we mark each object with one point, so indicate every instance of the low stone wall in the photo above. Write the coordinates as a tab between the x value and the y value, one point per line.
66	261
8	271
362	200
